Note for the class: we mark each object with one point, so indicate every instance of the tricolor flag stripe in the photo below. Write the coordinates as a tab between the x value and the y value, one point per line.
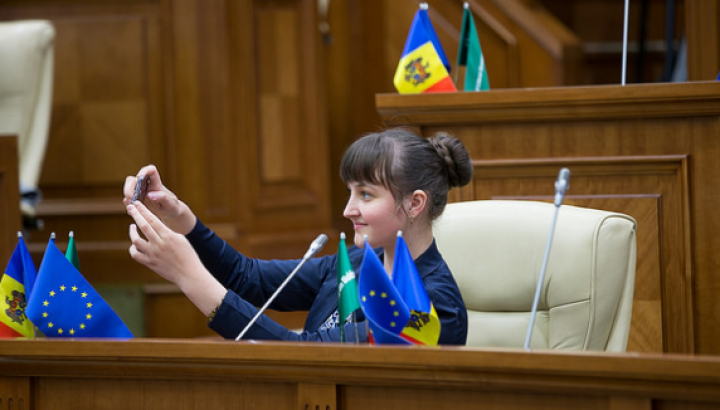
14	322
423	66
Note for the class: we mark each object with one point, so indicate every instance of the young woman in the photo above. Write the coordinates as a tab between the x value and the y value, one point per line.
396	181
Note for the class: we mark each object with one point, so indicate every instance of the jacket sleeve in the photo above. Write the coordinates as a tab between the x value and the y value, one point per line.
235	313
251	282
451	312
256	280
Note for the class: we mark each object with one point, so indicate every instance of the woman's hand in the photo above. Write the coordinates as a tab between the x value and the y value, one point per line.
170	255
173	212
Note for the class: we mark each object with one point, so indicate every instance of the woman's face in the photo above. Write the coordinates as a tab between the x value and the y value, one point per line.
373	212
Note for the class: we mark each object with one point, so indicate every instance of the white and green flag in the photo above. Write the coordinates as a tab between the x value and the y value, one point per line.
470	56
348	300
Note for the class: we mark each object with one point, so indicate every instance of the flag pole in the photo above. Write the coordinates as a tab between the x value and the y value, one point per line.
341	320
27	297
466	6
625	41
354	319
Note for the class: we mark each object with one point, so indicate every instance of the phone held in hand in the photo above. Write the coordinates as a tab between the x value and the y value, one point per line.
140	188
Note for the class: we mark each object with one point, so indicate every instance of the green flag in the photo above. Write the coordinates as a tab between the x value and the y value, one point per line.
348	300
470	55
71	252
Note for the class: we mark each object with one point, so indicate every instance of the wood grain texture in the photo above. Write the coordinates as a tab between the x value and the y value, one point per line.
703	39
15	393
187	374
10	218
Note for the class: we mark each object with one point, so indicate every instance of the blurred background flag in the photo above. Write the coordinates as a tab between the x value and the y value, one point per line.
64	304
71	251
423	66
384	309
348	301
424	325
424	17
15	287
470	63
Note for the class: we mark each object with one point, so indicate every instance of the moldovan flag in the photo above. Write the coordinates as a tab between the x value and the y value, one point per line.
424	325
64	304
470	56
15	287
423	66
384	309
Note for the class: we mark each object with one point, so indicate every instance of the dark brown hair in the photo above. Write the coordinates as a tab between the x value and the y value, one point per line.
402	161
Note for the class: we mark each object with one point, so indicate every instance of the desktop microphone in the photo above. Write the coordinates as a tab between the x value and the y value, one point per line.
561	185
314	248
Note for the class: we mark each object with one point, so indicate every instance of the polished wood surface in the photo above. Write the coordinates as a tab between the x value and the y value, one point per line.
649	151
10	217
185	374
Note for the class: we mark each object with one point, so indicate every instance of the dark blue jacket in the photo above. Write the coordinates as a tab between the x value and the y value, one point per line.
251	282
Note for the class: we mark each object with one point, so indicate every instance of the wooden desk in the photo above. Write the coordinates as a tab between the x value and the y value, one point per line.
214	374
650	151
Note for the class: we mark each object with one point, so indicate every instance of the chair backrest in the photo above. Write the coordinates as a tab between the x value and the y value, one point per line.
495	250
26	83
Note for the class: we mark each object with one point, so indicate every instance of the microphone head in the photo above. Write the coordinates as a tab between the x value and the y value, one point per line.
316	245
563	181
321	240
561	185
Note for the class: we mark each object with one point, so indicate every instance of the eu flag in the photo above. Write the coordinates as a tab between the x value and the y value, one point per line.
64	304
15	286
386	312
424	324
423	66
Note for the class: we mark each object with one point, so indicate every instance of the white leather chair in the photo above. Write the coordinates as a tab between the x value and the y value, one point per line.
495	251
26	83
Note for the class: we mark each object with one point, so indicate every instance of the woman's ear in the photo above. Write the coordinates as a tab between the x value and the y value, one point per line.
418	201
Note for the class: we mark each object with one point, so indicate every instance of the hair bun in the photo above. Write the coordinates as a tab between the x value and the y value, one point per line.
455	157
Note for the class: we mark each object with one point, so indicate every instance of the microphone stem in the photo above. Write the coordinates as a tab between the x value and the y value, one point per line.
272	298
533	313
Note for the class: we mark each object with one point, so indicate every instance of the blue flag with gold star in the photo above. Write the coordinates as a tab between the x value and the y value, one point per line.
64	304
424	324
386	312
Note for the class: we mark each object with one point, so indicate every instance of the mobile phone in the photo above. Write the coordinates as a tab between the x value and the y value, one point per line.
140	188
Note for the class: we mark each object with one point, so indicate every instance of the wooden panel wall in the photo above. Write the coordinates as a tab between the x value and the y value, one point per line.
223	96
226	97
10	217
647	151
703	37
599	25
